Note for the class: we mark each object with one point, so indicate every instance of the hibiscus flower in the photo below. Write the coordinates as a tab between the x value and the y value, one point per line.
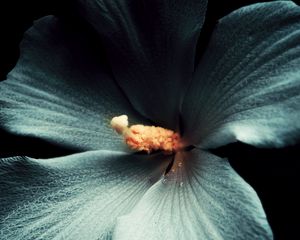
245	87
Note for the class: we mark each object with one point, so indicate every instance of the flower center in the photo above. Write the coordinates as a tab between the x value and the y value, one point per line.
147	138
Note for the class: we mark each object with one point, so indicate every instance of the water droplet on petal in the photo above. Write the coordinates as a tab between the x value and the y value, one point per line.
180	164
164	181
181	184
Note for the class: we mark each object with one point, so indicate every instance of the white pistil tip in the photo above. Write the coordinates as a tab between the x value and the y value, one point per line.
119	123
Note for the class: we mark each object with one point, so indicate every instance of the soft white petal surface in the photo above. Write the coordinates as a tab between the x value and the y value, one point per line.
247	86
74	197
202	197
61	90
151	46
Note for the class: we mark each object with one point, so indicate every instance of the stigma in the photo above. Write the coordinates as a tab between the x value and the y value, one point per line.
146	138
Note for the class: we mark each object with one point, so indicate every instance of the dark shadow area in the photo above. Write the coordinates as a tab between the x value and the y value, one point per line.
16	16
274	174
12	145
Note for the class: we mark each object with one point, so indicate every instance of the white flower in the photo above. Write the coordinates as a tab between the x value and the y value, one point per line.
246	87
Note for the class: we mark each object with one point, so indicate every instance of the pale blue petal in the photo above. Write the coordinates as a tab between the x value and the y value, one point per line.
247	86
202	198
74	197
151	46
61	90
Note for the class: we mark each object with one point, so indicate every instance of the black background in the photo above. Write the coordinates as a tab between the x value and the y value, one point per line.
274	173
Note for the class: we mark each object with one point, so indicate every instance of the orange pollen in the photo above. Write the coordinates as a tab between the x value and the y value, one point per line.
146	138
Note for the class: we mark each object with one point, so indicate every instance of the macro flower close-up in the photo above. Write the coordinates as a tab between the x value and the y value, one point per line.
143	110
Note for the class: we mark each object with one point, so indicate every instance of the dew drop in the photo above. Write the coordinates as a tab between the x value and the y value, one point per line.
164	181
181	184
180	164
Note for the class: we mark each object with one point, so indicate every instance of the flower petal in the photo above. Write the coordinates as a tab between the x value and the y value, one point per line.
151	47
247	85
61	90
202	199
74	197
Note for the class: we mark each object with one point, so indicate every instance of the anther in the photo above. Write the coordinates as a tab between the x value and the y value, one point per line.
146	138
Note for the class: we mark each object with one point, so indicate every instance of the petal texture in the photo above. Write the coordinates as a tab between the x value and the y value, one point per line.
201	198
247	85
151	46
61	90
74	197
